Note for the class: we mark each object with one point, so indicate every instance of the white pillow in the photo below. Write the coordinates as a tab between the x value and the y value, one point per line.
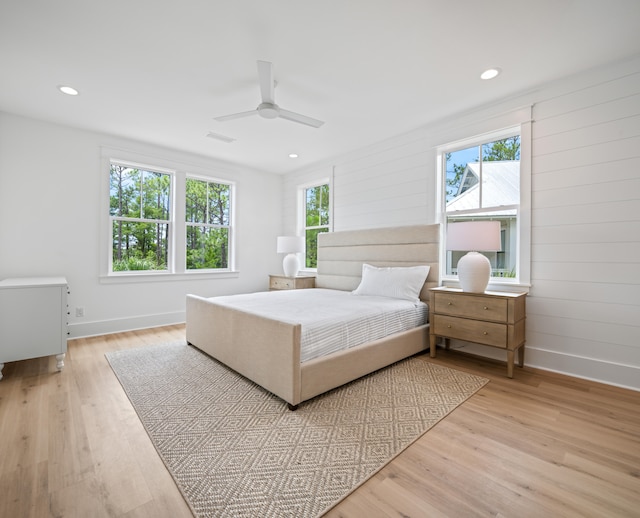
397	282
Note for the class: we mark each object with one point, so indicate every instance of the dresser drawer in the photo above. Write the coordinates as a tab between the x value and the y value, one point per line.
281	283
471	306
487	333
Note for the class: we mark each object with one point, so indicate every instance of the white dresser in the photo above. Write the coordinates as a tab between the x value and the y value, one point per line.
33	319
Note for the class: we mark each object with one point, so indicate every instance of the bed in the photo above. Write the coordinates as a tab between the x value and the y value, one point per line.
267	350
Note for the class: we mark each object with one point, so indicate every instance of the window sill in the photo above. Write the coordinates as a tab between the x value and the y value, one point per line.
127	278
493	285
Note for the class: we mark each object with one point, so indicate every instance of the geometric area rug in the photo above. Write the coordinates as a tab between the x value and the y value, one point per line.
236	450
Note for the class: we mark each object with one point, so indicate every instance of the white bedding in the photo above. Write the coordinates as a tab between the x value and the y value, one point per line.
332	319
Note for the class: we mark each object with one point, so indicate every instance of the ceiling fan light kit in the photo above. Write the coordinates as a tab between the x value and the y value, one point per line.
268	109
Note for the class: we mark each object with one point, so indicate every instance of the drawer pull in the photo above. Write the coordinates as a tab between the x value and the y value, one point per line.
485	333
449	303
449	326
486	307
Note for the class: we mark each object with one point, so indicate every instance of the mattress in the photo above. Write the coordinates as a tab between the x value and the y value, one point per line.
332	320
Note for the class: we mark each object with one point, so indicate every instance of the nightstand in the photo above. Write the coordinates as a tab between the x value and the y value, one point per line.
492	318
282	282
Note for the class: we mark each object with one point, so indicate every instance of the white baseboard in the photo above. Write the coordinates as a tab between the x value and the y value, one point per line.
105	327
610	373
617	374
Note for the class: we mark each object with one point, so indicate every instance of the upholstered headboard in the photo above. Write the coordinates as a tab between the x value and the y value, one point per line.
341	254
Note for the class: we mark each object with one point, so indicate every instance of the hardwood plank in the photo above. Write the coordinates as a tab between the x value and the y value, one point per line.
24	491
540	444
70	456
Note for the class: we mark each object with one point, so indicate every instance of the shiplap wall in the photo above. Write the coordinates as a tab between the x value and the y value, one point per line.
382	185
584	305
386	186
583	309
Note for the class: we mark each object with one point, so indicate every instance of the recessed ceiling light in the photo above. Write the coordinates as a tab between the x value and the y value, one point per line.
68	90
293	155
490	73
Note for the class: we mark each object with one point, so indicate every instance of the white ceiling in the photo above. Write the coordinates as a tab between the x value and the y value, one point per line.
160	70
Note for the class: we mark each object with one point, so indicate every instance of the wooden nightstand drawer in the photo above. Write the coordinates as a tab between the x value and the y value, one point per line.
280	282
478	307
486	333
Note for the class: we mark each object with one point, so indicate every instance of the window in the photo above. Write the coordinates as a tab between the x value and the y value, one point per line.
207	212
141	218
163	221
482	182
316	219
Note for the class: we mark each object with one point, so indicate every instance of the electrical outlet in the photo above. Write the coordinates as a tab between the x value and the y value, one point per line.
79	311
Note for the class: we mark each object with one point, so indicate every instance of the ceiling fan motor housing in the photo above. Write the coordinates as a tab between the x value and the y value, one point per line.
268	110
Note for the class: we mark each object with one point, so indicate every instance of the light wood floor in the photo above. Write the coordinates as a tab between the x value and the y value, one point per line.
539	445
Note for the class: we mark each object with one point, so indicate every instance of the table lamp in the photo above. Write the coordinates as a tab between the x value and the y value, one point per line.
290	245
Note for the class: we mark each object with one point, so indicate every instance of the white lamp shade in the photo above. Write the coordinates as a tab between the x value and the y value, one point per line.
474	235
474	269
290	244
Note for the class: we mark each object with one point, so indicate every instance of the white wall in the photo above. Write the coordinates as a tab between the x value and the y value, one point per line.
51	181
583	309
382	185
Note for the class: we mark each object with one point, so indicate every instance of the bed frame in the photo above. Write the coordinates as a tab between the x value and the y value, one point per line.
268	351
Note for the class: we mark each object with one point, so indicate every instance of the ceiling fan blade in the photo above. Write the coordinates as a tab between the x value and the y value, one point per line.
235	116
267	85
302	119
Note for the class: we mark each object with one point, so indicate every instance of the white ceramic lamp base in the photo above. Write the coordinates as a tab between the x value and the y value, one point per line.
291	265
474	271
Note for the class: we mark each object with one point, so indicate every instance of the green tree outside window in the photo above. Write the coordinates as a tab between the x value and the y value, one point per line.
208	206
140	215
316	201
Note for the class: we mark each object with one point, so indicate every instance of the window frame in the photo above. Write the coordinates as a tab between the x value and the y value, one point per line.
229	226
302	215
169	222
523	209
176	260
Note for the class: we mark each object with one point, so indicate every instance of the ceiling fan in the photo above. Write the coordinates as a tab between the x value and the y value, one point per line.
268	108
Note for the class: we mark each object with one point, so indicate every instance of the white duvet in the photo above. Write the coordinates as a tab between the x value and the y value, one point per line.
332	320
